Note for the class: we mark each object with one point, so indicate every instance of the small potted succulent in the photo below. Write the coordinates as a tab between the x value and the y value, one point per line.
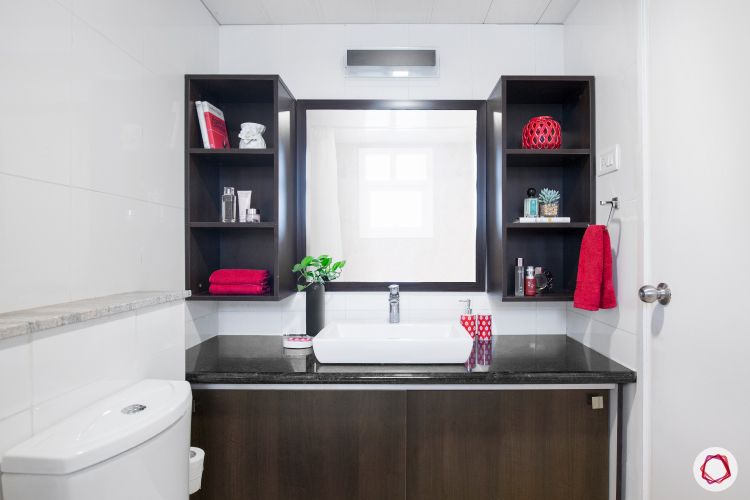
314	273
549	202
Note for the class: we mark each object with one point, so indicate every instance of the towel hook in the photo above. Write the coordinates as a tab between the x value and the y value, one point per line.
614	205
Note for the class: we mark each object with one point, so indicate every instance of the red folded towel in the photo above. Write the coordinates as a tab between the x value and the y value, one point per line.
215	289
239	277
594	287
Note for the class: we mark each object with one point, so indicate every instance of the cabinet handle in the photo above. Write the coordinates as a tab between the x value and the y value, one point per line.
597	402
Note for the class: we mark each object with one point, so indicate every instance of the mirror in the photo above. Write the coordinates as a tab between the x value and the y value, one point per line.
394	192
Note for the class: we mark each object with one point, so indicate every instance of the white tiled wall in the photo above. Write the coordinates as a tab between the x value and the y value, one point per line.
288	316
91	193
310	58
91	165
201	322
53	373
602	38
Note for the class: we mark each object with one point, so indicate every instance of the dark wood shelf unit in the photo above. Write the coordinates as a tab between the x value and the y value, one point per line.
231	152
270	173
235	157
233	225
512	170
557	296
547	152
547	225
242	298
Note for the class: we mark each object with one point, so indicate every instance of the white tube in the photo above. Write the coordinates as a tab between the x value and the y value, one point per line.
243	199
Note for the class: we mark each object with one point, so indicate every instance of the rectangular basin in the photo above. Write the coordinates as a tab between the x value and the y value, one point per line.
400	343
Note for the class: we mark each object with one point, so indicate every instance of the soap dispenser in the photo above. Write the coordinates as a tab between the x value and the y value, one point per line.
468	320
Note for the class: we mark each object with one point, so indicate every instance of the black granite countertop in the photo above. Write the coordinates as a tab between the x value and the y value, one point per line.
506	359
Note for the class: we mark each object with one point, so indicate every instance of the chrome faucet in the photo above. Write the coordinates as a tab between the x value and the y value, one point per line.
393	301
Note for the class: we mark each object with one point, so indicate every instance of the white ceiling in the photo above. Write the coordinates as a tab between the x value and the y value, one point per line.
390	11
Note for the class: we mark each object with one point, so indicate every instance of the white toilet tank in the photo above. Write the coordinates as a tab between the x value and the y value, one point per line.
132	445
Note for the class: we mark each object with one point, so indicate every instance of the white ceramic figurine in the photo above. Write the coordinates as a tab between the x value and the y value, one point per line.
250	136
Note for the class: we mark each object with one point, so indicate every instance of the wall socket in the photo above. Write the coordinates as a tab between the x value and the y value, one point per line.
608	161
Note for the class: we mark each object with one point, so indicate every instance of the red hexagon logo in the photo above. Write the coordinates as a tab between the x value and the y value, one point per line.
715	469
724	463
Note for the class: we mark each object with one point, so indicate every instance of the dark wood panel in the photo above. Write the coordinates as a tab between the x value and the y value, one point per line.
286	189
295	445
519	445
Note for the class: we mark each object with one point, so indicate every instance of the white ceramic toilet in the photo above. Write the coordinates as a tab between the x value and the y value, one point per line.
134	444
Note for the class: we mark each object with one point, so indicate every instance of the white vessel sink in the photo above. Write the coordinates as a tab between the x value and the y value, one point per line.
400	343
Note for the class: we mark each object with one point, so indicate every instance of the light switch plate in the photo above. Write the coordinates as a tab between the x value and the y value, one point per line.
608	161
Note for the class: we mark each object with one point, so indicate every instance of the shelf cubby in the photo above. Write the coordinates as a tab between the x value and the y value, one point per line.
569	100
208	181
554	248
269	173
546	225
512	170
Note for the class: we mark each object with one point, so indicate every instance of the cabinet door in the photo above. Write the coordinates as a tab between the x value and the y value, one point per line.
295	445
514	445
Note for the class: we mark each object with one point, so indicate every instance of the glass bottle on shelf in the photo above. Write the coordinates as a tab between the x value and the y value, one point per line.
229	205
531	204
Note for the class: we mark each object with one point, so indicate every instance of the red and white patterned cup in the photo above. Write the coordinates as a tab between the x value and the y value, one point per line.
469	322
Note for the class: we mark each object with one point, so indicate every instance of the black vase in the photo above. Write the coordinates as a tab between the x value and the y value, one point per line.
315	308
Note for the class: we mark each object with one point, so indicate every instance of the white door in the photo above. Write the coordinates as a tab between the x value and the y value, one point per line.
698	241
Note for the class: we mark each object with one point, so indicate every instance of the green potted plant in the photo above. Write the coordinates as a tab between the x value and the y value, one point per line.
314	272
549	202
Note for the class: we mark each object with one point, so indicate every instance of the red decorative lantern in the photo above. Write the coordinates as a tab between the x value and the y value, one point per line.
542	132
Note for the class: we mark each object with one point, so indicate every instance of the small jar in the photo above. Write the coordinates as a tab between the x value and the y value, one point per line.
252	215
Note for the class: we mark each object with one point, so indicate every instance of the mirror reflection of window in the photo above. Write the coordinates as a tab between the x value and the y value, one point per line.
394	193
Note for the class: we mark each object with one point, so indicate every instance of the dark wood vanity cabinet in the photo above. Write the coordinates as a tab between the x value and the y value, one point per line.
515	445
312	445
410	445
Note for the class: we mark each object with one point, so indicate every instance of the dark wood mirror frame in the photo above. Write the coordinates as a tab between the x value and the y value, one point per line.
479	284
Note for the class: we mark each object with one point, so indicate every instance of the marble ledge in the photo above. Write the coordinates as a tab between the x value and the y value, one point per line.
28	321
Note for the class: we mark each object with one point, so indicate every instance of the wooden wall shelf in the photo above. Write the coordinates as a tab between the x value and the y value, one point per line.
547	226
233	225
270	173
241	298
230	152
547	152
512	170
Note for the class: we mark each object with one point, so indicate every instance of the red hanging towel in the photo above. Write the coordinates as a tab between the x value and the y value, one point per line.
594	287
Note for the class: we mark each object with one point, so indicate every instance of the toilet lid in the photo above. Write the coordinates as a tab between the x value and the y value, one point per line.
101	431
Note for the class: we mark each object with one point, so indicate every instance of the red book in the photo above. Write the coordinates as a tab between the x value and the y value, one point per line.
216	127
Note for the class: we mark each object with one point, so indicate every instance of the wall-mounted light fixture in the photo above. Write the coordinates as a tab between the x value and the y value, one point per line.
392	63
